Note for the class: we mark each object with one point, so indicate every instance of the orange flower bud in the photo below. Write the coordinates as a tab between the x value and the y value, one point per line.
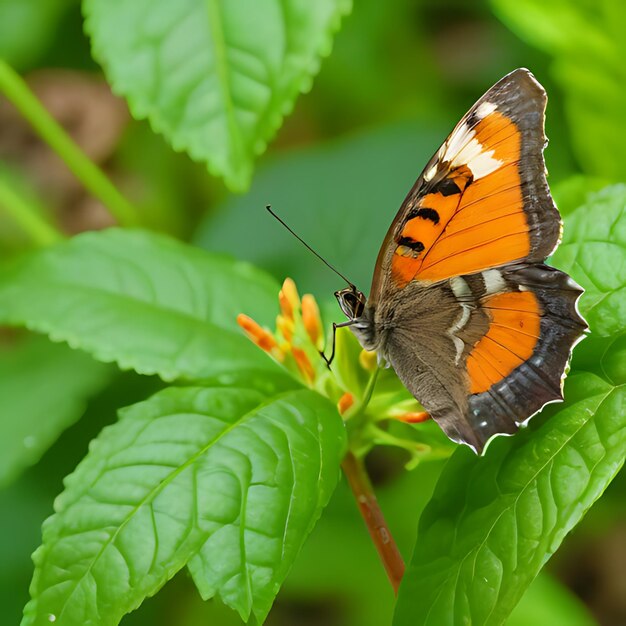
303	363
285	307
311	320
415	417
258	335
345	402
285	327
288	298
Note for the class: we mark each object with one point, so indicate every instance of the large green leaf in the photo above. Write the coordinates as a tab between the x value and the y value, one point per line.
494	521
586	41
215	77
221	472
593	252
44	388
574	191
143	300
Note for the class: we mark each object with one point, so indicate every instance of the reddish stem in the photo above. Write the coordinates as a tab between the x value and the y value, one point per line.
374	519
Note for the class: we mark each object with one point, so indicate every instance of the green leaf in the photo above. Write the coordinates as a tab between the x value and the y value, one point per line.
495	520
225	473
593	252
44	388
574	191
613	360
267	381
143	300
588	67
215	77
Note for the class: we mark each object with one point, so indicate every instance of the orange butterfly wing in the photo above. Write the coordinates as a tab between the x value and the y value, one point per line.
510	340
474	324
483	199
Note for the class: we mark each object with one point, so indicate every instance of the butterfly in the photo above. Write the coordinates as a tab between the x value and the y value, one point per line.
462	306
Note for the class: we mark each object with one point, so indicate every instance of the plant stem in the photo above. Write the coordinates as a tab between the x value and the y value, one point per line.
91	176
369	389
27	216
374	519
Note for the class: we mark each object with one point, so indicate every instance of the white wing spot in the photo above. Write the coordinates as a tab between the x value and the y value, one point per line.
462	148
480	162
430	173
485	109
460	288
494	282
457	142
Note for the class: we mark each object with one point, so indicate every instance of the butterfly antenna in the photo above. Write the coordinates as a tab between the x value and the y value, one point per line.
321	258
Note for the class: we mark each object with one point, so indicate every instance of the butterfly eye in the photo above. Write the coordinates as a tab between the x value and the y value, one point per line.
358	304
352	302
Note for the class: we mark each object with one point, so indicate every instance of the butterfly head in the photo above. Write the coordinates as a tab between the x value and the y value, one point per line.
352	302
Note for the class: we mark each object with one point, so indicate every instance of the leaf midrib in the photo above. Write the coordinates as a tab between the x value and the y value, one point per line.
221	64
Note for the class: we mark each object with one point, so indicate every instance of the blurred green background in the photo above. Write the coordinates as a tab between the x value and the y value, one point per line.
399	77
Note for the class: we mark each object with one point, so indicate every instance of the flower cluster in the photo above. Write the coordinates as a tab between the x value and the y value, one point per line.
299	337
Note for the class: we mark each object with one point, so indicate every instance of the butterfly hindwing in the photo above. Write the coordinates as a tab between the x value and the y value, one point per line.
484	352
531	334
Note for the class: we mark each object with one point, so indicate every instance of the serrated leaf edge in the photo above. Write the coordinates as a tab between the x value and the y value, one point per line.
236	183
68	482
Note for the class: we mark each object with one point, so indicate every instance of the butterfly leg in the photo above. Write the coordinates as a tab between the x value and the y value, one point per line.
329	360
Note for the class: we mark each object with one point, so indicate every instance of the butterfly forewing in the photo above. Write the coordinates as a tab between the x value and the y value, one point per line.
482	200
